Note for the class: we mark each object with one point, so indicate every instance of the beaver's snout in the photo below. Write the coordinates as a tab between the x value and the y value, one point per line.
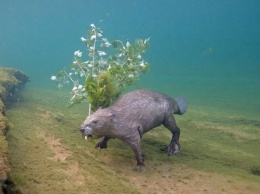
85	129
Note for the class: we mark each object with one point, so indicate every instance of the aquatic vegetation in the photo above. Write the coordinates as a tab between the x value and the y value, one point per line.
11	80
47	153
110	67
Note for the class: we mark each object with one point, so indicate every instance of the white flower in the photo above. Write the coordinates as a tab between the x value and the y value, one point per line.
70	74
139	56
80	87
53	78
101	53
93	37
91	48
131	75
128	44
81	74
90	65
83	39
92	25
78	53
94	75
99	34
107	44
142	64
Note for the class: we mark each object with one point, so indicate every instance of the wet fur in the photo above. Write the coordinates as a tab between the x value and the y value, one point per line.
134	114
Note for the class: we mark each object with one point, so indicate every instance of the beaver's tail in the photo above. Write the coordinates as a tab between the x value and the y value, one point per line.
182	104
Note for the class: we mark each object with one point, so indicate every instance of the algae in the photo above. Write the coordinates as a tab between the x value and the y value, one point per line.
11	81
48	154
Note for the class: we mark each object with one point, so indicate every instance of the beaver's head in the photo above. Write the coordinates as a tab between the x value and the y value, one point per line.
98	124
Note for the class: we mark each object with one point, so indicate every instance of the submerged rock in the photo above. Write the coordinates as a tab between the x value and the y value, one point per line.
11	81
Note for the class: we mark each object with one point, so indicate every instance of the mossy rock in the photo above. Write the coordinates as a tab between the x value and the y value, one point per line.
4	168
11	80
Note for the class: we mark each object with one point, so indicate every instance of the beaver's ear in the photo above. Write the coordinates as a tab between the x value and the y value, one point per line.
111	115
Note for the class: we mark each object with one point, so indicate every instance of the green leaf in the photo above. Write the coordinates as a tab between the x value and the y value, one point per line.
90	33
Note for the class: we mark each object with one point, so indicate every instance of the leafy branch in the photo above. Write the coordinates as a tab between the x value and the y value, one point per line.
110	67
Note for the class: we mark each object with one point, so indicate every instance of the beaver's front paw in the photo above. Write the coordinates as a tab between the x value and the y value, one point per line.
101	145
173	148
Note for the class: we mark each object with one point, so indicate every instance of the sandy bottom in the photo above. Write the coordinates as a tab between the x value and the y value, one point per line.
48	155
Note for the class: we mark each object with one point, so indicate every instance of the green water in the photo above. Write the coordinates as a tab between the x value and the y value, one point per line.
206	51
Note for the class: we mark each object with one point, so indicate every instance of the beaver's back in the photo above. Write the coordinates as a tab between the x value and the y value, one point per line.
145	99
144	107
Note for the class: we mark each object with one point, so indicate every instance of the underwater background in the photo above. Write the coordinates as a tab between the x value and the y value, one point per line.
208	51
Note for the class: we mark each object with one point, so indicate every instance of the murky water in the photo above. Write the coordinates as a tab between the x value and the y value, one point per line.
205	50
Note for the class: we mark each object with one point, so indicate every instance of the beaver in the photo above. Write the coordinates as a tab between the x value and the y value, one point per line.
132	115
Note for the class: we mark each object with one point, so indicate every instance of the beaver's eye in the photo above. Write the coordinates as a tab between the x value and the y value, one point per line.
95	121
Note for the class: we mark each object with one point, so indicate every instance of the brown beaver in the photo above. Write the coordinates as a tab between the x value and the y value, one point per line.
132	115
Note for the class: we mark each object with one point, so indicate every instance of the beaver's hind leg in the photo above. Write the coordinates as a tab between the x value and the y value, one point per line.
174	146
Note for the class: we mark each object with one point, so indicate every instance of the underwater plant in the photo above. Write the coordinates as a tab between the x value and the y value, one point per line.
110	67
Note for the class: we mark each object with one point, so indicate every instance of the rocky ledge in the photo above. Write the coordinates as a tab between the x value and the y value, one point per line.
11	81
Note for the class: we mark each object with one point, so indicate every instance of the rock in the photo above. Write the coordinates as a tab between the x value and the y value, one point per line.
11	81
